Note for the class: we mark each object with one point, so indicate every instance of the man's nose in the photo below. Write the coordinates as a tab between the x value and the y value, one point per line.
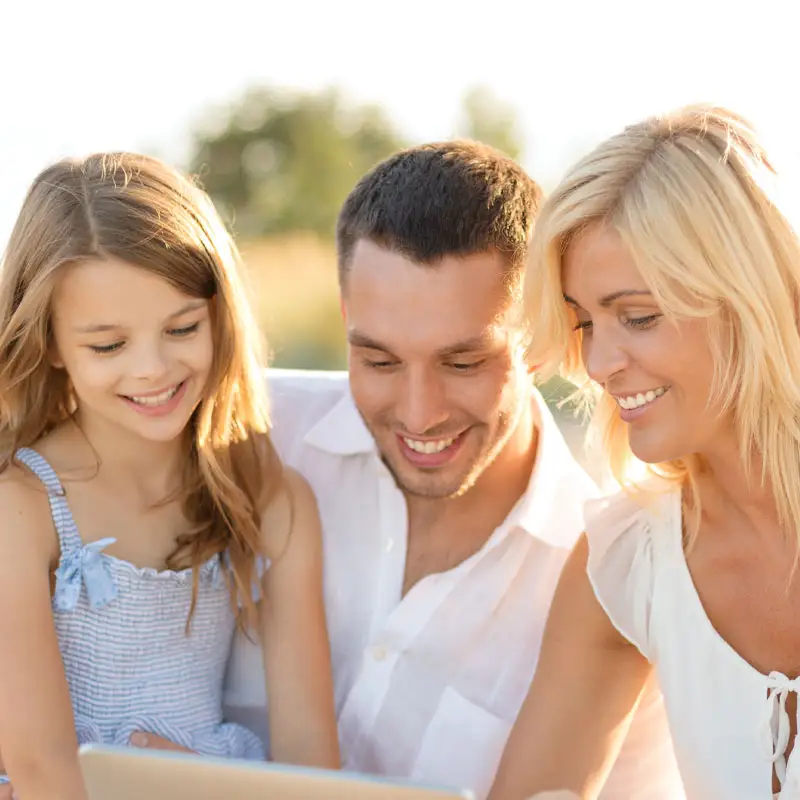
421	403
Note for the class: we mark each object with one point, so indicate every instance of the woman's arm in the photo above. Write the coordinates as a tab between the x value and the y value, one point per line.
579	707
294	632
37	733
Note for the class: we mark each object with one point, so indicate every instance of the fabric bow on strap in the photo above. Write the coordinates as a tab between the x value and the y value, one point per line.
776	726
84	566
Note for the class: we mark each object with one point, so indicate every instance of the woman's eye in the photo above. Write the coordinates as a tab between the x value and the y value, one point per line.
642	322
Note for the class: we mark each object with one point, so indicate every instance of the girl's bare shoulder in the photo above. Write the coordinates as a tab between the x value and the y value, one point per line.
26	523
291	514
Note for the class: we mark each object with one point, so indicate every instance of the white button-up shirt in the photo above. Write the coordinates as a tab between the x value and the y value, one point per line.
428	685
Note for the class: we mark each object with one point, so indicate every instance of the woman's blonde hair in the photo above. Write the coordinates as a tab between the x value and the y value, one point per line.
136	209
693	197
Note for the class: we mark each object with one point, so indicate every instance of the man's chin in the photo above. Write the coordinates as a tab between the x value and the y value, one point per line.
431	492
431	486
445	482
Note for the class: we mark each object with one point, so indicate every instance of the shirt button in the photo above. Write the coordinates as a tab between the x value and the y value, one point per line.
388	545
379	653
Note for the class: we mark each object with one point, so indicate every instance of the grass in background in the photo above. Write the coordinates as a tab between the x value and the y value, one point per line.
296	299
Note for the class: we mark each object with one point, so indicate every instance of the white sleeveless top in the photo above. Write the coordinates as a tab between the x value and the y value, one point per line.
728	721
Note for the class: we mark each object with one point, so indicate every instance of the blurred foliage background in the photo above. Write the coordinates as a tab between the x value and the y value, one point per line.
279	164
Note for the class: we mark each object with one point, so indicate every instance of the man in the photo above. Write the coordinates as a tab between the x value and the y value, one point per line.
448	497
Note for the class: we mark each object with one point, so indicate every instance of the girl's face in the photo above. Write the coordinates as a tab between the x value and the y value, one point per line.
138	351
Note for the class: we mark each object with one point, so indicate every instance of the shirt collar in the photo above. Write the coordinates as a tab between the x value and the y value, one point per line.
342	430
551	508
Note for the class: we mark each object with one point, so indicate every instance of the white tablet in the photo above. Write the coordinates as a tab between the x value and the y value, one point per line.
125	773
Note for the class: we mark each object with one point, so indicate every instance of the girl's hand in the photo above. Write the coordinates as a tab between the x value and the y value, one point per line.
559	794
151	741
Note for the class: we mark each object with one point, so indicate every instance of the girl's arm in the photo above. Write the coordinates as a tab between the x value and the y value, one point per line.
37	735
294	633
587	685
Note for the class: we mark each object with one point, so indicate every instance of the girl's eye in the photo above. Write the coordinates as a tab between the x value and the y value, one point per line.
105	348
582	326
185	331
111	348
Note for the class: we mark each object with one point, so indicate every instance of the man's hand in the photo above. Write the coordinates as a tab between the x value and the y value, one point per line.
151	741
7	792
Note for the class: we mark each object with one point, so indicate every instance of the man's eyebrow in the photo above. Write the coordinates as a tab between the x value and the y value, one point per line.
358	339
610	298
480	342
194	305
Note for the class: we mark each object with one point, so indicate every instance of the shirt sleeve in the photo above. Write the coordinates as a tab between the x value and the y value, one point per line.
622	564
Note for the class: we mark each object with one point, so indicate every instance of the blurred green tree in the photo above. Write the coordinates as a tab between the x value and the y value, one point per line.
276	161
491	120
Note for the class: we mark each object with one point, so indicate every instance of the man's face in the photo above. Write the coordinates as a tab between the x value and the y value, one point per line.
436	367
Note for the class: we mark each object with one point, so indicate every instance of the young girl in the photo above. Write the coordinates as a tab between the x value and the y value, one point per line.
143	509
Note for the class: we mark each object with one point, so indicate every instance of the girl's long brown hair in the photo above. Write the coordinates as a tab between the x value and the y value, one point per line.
136	209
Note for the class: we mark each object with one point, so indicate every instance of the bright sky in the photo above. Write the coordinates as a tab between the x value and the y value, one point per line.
88	75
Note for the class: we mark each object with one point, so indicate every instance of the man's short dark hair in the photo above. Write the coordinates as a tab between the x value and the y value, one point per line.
446	198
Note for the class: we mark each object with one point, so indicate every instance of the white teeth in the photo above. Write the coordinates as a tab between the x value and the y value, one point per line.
639	400
428	447
157	399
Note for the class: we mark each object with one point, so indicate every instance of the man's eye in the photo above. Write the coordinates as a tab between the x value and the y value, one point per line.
464	366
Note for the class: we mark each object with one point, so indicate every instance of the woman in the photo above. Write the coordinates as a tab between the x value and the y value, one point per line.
665	268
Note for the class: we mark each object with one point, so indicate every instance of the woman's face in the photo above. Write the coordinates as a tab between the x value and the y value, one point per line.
659	372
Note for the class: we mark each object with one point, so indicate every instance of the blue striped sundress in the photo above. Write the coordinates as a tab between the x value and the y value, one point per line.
129	661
